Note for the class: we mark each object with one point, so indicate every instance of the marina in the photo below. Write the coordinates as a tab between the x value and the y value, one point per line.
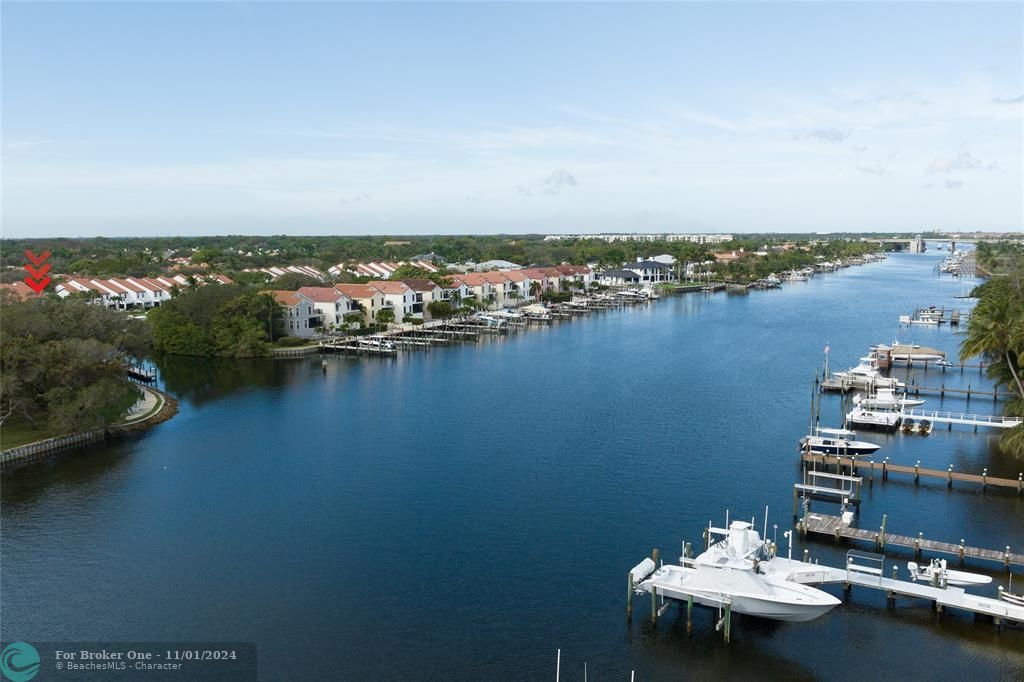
742	574
412	453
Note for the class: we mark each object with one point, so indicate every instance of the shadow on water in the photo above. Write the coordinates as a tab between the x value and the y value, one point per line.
203	380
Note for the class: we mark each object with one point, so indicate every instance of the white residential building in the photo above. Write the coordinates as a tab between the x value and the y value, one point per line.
332	305
301	318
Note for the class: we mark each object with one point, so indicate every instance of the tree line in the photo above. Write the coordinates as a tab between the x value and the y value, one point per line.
995	330
62	363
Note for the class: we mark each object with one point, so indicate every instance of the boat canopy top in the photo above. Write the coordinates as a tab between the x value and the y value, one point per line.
836	432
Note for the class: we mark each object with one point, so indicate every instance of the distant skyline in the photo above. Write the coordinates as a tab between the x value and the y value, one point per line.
138	119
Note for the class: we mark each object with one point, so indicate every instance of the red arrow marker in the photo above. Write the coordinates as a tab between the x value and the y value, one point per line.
37	286
37	273
36	260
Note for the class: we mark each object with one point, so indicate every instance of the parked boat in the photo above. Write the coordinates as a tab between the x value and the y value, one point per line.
876	418
490	320
1008	595
376	343
937	572
738	570
887	399
836	442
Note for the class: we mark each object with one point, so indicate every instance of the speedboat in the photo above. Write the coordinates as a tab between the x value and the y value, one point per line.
490	320
936	572
738	571
886	399
836	442
507	314
376	343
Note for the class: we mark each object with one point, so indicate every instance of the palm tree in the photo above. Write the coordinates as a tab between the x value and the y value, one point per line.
996	331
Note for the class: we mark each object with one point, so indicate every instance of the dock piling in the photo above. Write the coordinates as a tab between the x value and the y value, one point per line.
629	597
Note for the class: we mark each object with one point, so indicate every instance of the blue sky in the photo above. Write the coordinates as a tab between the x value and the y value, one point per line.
322	118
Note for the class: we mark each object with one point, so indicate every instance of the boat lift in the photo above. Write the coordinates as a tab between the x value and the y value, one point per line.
863	569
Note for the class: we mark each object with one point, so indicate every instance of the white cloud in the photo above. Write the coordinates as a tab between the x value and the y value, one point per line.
557	181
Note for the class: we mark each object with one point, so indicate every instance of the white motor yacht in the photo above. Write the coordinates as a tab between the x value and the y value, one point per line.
836	442
738	570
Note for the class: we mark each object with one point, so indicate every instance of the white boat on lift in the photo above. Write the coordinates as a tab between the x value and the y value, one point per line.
828	441
887	399
738	570
886	419
936	572
865	375
376	342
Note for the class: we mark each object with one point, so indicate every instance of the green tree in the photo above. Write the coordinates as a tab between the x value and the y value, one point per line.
440	310
385	316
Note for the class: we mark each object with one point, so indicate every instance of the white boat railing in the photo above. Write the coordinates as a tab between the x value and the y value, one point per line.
962	418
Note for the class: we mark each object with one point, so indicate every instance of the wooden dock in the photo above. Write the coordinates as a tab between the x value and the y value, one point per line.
885	467
832	526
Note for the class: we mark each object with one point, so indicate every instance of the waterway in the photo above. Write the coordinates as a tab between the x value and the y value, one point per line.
464	513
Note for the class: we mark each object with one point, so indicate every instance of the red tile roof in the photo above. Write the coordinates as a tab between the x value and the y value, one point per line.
389	287
357	291
321	294
286	298
20	289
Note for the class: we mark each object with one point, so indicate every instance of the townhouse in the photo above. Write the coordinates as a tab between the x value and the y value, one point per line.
543	278
383	269
478	287
126	293
275	272
301	318
331	304
397	296
424	292
367	299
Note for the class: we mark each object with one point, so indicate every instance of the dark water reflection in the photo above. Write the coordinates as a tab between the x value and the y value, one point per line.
463	513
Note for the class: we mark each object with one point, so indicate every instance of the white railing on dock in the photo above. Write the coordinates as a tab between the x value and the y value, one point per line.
994	421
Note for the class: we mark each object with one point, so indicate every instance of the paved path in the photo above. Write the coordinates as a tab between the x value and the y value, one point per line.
143	407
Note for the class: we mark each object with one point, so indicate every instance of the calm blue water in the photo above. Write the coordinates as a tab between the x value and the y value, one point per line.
463	513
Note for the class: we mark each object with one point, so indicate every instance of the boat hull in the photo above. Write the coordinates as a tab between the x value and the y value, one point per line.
857	451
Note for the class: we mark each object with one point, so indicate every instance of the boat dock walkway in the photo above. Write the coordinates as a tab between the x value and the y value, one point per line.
975	420
885	467
833	526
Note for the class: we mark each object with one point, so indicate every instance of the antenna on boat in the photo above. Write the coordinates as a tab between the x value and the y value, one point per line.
726	518
765	536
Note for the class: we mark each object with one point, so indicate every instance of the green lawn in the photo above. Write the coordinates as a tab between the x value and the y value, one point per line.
17	431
